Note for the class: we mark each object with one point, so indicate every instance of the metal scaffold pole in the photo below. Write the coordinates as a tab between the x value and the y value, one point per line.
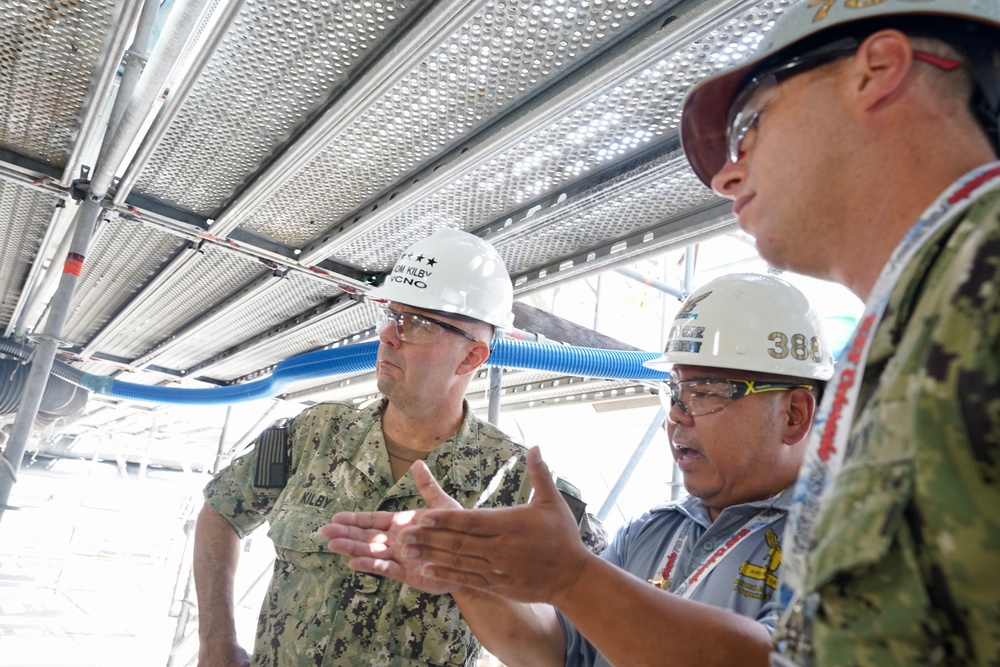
179	27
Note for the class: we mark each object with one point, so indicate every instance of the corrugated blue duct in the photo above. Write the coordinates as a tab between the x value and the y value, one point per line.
583	361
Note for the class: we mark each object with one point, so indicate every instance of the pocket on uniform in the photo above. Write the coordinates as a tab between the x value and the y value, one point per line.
429	628
861	518
301	584
295	528
290	629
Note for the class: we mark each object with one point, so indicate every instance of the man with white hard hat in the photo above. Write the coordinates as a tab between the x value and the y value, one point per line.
441	306
687	583
859	144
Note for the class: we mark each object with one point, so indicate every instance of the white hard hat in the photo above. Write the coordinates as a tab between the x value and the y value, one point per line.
752	322
703	121
454	272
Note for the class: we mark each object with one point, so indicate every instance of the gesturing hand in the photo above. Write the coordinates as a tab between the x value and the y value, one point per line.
530	553
370	538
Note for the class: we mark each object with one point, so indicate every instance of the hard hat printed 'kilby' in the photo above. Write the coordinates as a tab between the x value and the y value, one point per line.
454	272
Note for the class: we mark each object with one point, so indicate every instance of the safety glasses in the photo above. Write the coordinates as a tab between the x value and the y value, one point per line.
747	106
414	328
696	398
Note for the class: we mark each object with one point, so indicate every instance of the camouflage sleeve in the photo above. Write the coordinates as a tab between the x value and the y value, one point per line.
957	517
593	534
906	548
591	530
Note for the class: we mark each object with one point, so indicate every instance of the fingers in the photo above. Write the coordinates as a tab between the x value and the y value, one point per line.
480	522
385	568
374	520
466	579
431	491
454	550
364	533
333	530
361	548
541	478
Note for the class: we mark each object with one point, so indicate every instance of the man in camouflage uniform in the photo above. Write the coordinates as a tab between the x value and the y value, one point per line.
859	144
445	298
747	360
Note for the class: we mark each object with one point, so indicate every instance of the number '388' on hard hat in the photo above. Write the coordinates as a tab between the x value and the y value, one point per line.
752	322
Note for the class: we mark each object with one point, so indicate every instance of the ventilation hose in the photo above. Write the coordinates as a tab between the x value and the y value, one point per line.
571	360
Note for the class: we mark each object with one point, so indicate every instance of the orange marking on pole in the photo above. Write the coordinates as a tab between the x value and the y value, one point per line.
74	264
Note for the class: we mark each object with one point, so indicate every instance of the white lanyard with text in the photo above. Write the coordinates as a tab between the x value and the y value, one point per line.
686	589
828	442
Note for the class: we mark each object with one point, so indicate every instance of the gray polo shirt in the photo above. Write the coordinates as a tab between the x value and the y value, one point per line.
744	576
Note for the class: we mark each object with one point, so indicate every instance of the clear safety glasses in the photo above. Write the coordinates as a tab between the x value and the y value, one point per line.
703	397
749	104
414	328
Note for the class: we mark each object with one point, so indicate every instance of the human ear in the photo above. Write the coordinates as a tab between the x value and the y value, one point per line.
476	356
880	66
800	412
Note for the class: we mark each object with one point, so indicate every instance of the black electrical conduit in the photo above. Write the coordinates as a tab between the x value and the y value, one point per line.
571	360
60	399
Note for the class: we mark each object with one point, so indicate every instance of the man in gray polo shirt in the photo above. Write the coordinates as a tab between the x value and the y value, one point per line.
747	361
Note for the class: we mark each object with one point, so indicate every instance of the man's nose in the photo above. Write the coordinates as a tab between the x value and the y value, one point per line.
728	179
390	336
677	416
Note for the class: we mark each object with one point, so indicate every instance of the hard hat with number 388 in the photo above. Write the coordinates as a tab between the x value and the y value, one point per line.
751	322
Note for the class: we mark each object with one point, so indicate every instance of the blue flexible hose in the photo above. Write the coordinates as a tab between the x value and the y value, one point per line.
583	361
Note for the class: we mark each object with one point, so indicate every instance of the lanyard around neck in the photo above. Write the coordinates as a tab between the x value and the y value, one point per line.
831	432
673	551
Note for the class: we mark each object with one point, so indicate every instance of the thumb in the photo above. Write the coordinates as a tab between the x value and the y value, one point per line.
542	482
433	494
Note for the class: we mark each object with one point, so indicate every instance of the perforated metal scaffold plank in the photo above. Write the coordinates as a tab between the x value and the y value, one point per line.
315	335
48	52
280	300
278	63
641	107
25	216
504	54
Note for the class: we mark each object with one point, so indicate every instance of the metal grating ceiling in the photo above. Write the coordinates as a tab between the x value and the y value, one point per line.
26	214
315	334
278	62
47	52
506	52
640	107
278	300
210	276
324	137
637	201
122	259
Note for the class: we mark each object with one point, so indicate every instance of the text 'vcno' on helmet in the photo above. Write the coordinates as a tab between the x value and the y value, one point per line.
454	273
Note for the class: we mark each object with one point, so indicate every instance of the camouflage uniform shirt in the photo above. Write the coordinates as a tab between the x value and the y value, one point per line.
319	612
906	555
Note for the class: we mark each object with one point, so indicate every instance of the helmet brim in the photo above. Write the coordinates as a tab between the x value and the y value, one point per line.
703	120
706	108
